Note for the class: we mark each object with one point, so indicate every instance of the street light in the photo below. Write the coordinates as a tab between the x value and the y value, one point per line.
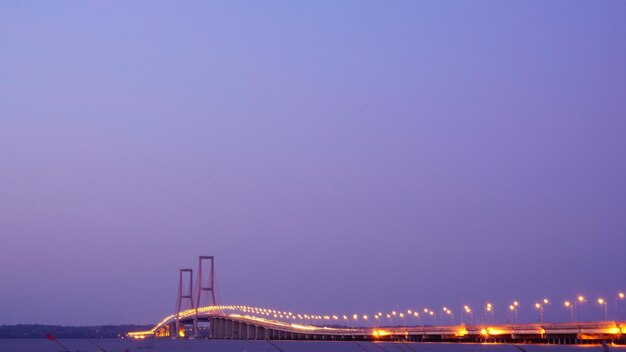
417	316
569	305
449	312
543	307
579	300
468	311
602	301
489	310
539	306
620	297
513	310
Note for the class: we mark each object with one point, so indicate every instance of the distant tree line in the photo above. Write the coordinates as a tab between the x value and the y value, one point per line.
29	331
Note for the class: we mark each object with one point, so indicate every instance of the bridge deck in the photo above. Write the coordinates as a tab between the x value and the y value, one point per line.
220	325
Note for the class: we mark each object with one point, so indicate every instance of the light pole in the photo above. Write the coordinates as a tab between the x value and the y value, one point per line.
449	312
620	297
602	301
513	309
489	310
417	316
468	311
579	300
569	305
432	314
539	306
403	317
409	314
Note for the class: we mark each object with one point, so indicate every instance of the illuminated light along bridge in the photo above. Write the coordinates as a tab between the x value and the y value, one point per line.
251	323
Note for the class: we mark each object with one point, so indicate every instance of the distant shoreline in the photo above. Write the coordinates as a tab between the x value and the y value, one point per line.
39	331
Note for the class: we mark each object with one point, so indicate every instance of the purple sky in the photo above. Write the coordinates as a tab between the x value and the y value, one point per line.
333	156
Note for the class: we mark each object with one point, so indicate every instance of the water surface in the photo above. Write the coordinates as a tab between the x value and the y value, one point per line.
120	345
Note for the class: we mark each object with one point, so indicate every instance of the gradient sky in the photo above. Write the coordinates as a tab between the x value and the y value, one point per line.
335	156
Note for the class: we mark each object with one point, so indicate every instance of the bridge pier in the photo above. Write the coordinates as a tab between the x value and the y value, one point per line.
256	332
214	329
235	330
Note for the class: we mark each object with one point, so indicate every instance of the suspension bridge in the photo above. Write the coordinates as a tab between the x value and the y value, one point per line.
253	323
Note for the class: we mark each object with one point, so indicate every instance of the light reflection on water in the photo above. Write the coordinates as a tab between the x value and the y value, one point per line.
118	345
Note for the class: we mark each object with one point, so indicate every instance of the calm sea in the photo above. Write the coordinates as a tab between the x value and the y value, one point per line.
118	345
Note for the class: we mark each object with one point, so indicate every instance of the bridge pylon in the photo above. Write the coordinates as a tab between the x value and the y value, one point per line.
205	286
182	295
